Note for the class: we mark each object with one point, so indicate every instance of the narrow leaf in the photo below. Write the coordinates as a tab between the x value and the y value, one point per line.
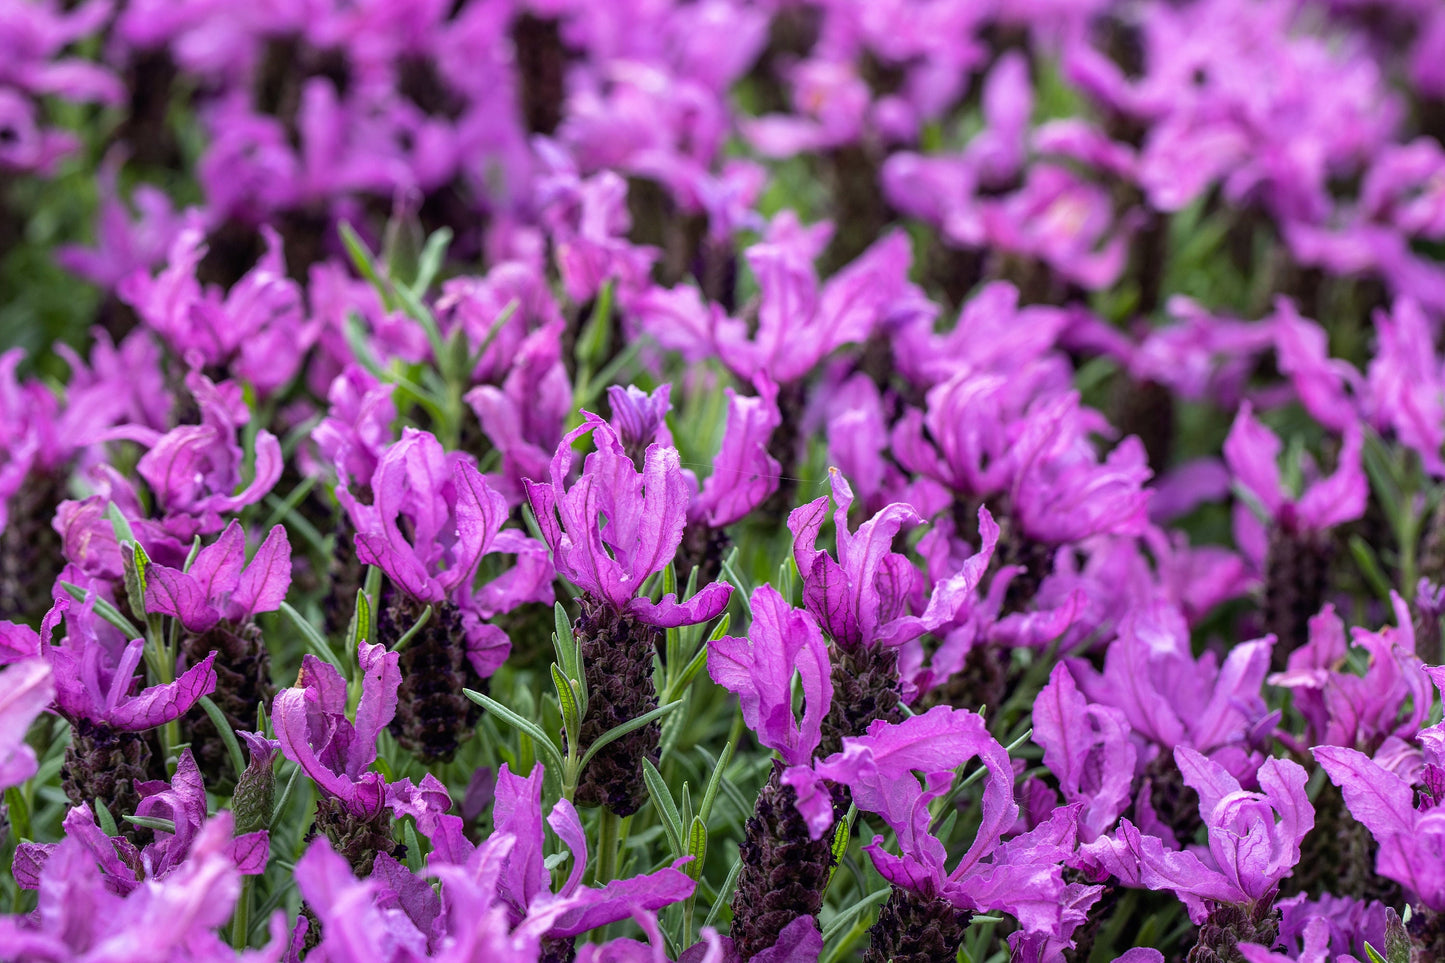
696	846
611	735
554	755
666	808
218	719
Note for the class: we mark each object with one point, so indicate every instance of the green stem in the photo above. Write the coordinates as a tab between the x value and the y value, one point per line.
241	922
607	838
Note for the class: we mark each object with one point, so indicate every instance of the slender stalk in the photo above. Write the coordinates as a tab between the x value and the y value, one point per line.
241	922
607	839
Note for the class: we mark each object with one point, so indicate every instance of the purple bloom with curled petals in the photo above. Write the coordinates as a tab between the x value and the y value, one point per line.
357	428
1169	697
1342	708
1254	837
640	417
257	332
431	520
81	918
525	885
1022	877
1411	841
864	598
182	802
314	732
220	584
194	469
801	321
95	671
1016	439
1252	453
1086	745
616	526
26	689
759	670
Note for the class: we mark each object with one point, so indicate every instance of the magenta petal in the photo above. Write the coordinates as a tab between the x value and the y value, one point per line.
799	942
568	827
164	703
381	678
26	689
250	852
263	586
759	671
218	565
1252	453
668	613
480	514
289	718
621	897
517	813
743	474
487	645
174	593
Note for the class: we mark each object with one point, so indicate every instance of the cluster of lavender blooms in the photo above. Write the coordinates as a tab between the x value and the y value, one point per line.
723	480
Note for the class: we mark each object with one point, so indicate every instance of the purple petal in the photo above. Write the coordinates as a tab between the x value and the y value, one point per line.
759	671
263	586
174	593
26	689
668	613
218	565
165	703
381	678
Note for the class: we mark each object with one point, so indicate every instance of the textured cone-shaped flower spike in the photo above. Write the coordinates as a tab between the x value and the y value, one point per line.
608	532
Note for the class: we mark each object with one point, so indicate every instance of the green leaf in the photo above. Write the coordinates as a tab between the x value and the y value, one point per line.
315	642
845	917
415	857
218	719
1374	954
119	524
105	610
104	819
362	625
592	344
280	808
689	672
1370	568
430	262
530	728
568	653
666	808
724	891
364	262
613	734
416	627
151	822
19	812
730	572
567	700
709	794
135	565
842	833
696	847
